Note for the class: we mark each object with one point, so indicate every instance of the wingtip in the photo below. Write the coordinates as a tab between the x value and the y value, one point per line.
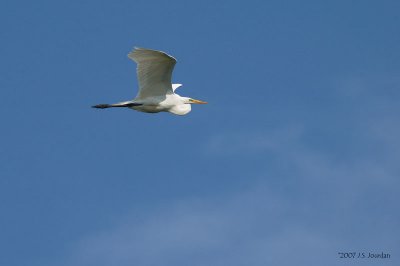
133	50
132	54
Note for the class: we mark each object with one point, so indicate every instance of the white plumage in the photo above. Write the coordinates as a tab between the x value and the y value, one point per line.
156	92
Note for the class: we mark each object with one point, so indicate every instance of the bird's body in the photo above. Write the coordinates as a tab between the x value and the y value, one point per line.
172	103
156	92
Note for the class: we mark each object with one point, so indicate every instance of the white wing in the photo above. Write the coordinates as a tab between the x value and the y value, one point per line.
154	71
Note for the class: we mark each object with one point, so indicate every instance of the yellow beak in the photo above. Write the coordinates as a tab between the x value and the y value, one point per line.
197	101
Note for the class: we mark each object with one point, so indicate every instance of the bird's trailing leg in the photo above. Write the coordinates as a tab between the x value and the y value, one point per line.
126	104
132	104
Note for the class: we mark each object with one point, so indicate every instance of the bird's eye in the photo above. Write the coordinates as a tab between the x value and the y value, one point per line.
190	100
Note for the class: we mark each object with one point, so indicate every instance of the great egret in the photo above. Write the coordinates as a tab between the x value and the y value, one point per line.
156	92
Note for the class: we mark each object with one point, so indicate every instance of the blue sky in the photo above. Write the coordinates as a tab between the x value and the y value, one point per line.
294	159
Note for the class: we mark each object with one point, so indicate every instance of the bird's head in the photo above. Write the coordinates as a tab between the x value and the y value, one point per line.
188	100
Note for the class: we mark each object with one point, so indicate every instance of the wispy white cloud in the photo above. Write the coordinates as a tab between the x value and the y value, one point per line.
250	227
327	213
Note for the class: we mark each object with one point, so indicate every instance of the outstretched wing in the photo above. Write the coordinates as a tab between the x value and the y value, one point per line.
154	71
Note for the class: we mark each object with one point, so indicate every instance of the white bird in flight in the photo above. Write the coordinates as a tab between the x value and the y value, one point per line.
156	92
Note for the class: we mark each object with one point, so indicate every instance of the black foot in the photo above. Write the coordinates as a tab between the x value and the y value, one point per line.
101	106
